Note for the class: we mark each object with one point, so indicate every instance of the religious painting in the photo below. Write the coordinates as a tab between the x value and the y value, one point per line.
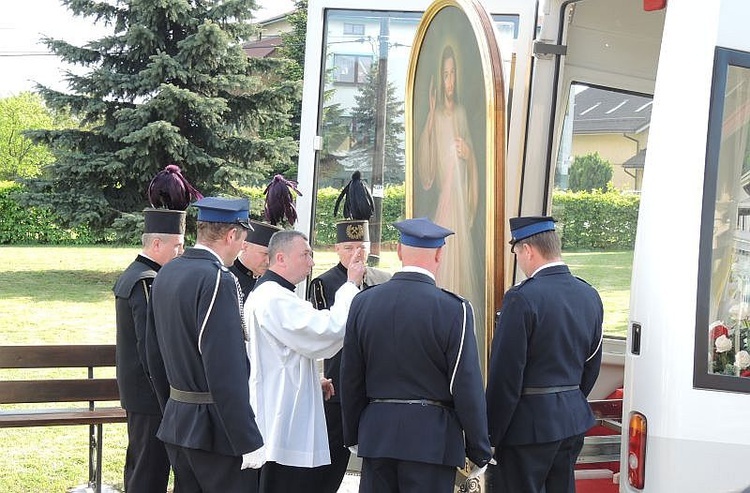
455	149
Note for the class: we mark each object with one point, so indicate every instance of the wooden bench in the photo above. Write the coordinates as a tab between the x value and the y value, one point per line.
89	390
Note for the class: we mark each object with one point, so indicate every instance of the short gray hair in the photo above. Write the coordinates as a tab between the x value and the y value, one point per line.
147	239
281	241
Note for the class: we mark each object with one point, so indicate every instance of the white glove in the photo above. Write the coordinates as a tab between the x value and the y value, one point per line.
477	471
353	449
254	459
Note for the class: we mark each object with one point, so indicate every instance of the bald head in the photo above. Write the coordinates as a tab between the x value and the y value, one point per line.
426	258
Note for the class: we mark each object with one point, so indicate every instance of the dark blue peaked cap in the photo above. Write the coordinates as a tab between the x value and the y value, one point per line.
224	210
524	227
422	233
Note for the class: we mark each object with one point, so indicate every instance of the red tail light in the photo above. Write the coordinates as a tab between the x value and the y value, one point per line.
637	450
654	4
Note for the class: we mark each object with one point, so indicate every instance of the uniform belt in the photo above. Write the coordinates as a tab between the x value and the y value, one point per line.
548	390
421	402
190	397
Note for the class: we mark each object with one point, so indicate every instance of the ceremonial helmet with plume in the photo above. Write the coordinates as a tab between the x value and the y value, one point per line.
279	204
170	190
358	203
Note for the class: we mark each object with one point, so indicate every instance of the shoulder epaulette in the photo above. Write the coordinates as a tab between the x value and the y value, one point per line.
147	274
458	297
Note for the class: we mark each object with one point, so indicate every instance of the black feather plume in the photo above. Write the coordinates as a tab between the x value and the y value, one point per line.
279	200
170	190
358	203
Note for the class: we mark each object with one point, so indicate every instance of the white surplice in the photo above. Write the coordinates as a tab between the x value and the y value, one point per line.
287	335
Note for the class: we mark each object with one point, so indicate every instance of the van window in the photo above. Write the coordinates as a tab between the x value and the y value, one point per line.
598	175
723	304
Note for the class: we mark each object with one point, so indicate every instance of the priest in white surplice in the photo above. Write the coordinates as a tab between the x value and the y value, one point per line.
287	334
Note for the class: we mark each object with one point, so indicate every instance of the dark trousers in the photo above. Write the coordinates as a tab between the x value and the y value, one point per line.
536	468
199	471
278	478
327	479
401	476
146	461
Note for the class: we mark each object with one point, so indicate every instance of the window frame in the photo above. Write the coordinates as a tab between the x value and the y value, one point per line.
356	72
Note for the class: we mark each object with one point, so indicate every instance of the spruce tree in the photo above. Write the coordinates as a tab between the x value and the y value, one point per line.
170	85
364	116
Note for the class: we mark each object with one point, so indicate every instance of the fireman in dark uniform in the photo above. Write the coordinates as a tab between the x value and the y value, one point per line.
197	360
545	359
252	262
352	238
146	461
411	386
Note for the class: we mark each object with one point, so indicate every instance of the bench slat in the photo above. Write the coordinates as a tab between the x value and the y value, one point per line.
62	417
63	356
70	390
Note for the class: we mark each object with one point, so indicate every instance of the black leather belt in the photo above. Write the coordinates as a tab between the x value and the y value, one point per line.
548	390
190	397
421	402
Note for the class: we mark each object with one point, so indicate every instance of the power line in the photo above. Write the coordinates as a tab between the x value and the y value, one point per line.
18	54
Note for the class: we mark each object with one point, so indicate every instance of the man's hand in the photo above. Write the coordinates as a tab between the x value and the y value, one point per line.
327	385
355	271
254	459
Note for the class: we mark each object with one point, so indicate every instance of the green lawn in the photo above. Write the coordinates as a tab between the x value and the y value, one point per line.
62	295
609	273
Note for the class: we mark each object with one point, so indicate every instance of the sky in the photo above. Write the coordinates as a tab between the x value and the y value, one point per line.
23	60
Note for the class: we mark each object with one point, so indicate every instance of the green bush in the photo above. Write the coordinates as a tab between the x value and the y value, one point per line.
589	172
596	220
34	225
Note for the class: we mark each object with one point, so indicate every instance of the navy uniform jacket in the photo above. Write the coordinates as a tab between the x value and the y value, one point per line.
548	334
195	342
322	295
244	276
408	339
132	290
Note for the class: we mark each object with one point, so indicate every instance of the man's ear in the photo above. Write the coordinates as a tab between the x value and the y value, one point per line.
232	235
398	251
279	258
438	254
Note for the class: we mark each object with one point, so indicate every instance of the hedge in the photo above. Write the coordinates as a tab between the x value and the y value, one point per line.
596	220
34	225
586	220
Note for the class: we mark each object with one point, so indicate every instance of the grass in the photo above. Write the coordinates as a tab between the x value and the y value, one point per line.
609	273
63	295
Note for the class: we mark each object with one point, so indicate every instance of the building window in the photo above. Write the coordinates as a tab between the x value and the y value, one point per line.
351	69
354	29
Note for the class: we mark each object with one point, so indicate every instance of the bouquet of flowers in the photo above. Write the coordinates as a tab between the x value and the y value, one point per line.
726	359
